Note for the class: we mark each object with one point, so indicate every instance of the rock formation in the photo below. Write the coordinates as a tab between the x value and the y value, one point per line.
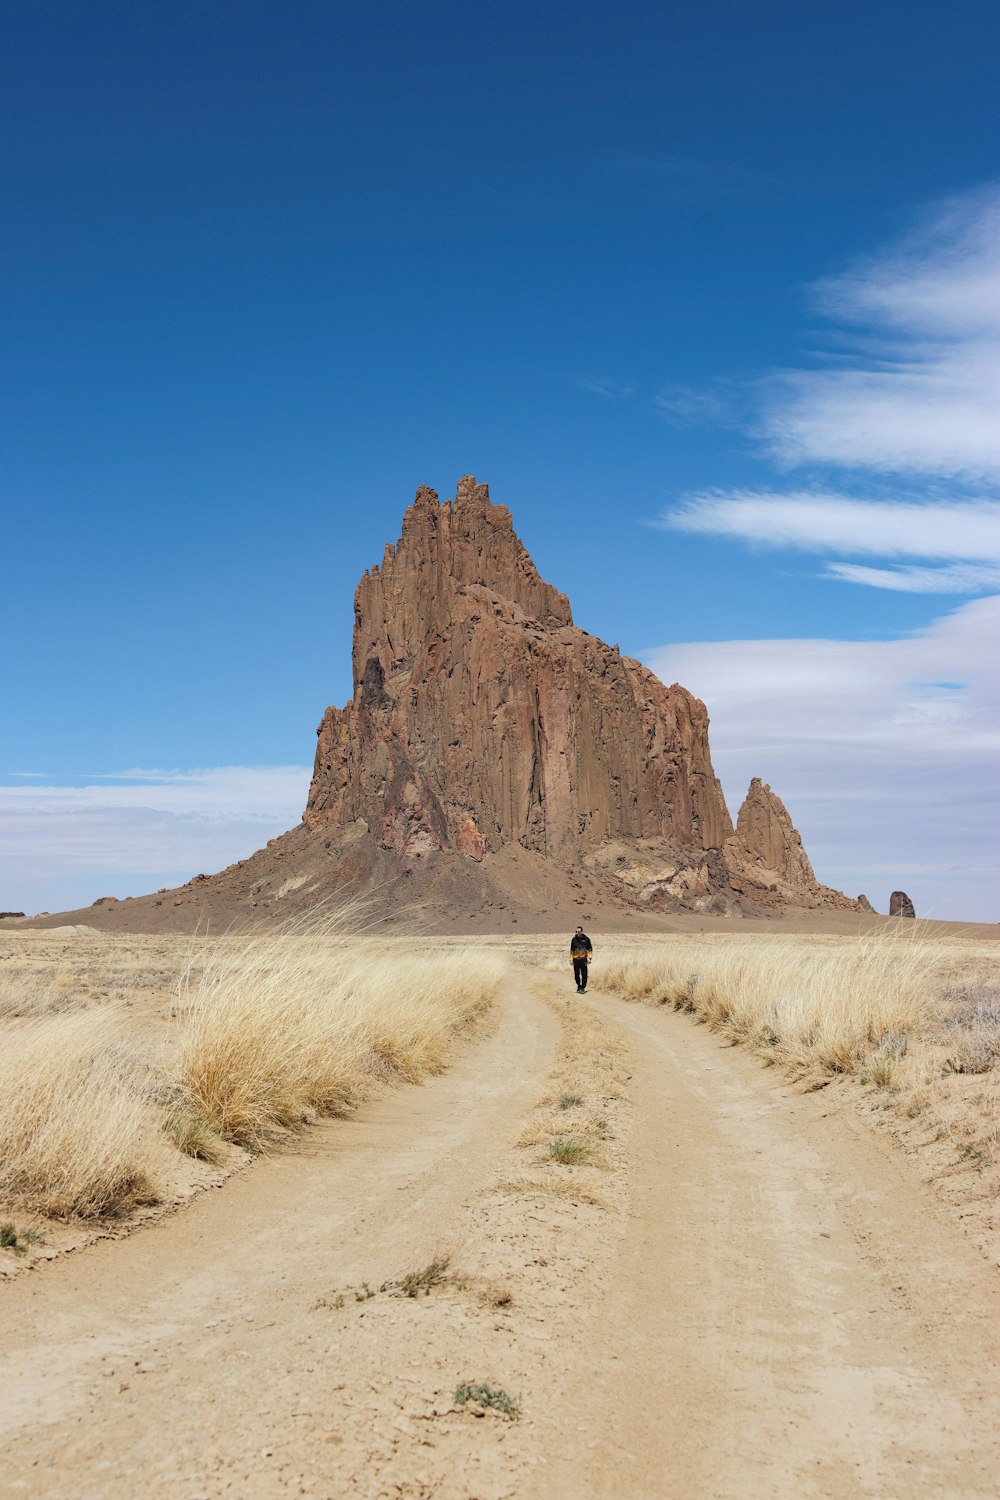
900	905
864	904
483	719
766	857
496	765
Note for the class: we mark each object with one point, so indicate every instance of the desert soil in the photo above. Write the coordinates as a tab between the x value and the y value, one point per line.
745	1296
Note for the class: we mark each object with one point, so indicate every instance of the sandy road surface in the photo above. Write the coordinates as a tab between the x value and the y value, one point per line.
793	1315
764	1303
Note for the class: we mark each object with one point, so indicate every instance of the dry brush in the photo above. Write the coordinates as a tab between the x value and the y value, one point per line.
267	1032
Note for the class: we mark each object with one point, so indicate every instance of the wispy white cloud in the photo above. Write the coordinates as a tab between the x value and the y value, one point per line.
885	751
830	522
912	389
610	390
138	829
961	578
688	406
964	534
916	384
215	792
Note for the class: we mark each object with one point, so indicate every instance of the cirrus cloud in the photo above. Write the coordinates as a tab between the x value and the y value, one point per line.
916	385
829	522
912	389
964	535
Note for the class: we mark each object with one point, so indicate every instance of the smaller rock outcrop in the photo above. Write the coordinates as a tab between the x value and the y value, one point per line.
864	903
900	905
10	914
770	839
766	860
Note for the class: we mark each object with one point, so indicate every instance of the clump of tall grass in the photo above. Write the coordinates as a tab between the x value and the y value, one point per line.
266	1032
279	1029
73	1122
828	1006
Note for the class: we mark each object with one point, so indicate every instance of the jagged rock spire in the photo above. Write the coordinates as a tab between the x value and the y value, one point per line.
482	717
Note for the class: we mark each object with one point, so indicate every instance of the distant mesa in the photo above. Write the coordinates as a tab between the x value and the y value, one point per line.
10	914
900	905
494	758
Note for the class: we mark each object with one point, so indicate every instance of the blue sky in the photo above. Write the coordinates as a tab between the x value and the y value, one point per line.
711	298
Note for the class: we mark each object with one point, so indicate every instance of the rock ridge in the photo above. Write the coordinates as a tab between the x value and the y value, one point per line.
482	718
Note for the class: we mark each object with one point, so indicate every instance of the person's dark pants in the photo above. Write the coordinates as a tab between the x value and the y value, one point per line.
580	972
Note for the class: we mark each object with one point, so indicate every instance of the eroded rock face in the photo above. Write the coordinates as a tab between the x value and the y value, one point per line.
483	718
900	905
765	833
766	858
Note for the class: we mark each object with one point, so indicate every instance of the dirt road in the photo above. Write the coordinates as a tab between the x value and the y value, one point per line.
741	1298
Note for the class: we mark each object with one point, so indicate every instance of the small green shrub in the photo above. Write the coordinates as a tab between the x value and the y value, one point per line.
336	1302
571	1150
17	1240
489	1397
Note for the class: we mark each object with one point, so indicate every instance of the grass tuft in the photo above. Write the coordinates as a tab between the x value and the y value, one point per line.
547	1187
972	1030
17	1240
422	1282
193	1135
569	1101
571	1150
497	1296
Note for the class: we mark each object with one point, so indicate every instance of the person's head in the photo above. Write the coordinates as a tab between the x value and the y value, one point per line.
580	931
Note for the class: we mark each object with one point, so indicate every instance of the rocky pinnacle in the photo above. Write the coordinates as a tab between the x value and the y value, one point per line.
483	717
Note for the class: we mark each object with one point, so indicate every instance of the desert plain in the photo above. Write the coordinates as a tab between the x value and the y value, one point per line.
416	1219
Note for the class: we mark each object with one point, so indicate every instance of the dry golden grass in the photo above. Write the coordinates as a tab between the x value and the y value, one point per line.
74	1128
551	1187
279	1029
903	1015
251	1035
830	1006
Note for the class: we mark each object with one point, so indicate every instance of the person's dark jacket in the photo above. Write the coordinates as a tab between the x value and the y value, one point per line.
580	943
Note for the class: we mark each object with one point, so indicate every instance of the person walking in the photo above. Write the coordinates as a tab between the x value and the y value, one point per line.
580	950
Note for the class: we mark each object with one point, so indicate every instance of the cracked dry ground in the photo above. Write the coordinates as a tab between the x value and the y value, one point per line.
734	1296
